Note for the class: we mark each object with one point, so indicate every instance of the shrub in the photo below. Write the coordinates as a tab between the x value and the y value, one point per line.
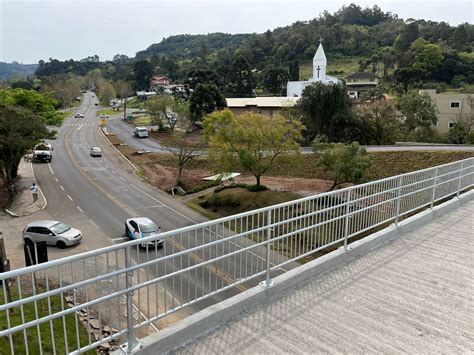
256	188
222	201
203	187
231	186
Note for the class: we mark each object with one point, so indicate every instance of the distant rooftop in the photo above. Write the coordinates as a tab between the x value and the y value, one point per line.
362	75
267	101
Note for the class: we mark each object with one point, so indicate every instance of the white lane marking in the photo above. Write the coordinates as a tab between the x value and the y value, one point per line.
143	192
139	208
79	128
107	166
118	239
95	225
57	180
69	197
61	186
121	178
113	172
80	209
50	168
104	178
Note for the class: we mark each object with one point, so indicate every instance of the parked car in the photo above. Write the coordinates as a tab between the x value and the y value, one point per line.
52	232
104	116
96	152
78	115
140	132
143	227
97	104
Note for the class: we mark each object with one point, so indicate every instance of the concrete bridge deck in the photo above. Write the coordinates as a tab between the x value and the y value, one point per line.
414	295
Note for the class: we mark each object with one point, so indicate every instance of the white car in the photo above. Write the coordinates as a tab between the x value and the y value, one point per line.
140	132
96	152
78	115
104	116
52	232
143	227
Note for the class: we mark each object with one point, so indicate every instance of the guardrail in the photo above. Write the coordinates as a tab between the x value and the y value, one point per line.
107	296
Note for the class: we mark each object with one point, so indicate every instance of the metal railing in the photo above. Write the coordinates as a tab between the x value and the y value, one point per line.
104	297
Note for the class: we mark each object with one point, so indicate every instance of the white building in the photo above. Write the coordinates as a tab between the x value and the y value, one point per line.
295	88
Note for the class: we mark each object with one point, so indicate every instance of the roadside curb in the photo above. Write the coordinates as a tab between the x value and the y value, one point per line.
118	151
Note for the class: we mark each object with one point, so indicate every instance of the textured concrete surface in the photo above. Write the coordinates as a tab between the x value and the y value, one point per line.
414	295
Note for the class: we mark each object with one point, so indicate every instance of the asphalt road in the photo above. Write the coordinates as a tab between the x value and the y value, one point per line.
100	193
125	132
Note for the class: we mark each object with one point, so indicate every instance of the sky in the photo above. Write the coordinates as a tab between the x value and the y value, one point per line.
64	29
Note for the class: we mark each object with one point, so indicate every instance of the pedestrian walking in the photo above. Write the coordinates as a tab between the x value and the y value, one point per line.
34	190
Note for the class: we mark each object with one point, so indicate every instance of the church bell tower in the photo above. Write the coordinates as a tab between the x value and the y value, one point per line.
319	64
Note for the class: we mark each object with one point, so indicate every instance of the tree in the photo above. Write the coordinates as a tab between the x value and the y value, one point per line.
407	36
378	123
418	110
41	104
326	110
275	81
346	163
183	149
294	70
205	99
20	130
124	90
167	108
202	76
250	142
143	71
106	92
240	82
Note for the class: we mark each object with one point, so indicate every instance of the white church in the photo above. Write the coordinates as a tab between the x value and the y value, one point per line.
295	88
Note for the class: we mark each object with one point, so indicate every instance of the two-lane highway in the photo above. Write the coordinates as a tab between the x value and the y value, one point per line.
105	191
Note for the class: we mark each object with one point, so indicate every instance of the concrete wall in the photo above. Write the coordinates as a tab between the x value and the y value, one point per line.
447	114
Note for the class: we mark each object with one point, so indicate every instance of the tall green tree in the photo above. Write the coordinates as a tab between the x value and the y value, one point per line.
20	130
205	99
250	142
241	83
294	70
326	111
378	123
143	71
41	104
419	111
275	80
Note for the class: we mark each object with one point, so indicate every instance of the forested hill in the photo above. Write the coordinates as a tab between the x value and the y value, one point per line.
350	32
10	70
189	46
403	53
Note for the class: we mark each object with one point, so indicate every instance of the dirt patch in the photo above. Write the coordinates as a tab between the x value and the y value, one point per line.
300	186
195	138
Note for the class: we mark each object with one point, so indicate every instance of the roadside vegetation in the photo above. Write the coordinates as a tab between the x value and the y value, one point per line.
28	312
107	112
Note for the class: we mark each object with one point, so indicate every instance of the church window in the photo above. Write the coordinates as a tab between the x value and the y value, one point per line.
455	104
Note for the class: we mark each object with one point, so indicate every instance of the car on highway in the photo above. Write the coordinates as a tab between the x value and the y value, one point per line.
52	232
104	116
140	132
143	227
78	115
96	152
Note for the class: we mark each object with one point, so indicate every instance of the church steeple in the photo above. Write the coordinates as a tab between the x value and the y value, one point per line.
319	63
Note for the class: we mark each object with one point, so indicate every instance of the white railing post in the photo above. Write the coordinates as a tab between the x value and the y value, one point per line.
460	179
128	285
268	280
399	195
434	189
346	219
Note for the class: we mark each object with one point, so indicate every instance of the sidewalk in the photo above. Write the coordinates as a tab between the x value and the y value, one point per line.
23	204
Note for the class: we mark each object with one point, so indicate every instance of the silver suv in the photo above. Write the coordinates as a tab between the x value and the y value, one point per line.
52	232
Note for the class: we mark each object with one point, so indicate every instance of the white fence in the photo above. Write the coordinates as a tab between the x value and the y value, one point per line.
115	294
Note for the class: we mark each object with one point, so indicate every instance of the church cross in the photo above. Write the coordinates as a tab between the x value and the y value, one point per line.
320	40
318	69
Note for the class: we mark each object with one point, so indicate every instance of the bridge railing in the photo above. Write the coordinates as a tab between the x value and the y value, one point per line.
104	297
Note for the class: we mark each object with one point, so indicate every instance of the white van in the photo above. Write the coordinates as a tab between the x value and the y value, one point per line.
141	132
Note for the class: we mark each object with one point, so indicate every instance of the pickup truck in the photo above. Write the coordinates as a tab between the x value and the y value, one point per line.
43	152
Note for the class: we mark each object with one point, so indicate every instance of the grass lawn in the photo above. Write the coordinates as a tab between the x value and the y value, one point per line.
45	328
142	120
235	200
107	112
